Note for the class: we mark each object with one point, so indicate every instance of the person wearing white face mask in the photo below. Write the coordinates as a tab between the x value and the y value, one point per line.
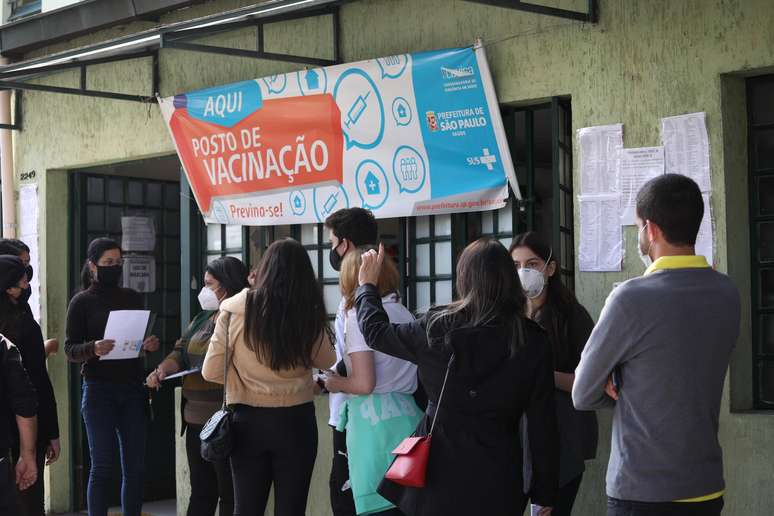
210	482
554	307
667	337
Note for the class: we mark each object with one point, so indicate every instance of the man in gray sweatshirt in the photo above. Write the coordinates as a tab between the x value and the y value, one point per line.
659	356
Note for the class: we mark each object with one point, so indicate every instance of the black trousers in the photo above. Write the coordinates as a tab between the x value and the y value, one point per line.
617	507
342	502
567	495
210	482
30	501
273	446
7	484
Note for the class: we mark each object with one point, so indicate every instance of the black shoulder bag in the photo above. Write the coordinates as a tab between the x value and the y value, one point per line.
217	436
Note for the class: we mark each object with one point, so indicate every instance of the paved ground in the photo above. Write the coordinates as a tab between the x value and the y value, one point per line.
163	508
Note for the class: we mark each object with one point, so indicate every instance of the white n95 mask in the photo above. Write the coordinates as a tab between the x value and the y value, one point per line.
208	300
532	282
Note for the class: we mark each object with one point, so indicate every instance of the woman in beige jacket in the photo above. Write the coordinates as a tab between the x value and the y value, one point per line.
275	334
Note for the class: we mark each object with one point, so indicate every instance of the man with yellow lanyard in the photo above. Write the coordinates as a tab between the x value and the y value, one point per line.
659	356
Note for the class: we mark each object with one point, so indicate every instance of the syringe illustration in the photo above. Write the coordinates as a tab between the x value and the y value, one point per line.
357	109
330	203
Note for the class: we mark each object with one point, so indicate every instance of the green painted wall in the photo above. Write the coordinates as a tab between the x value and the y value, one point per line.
642	61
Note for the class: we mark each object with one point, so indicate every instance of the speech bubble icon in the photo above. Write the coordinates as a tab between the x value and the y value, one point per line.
276	83
392	66
329	199
409	169
401	111
297	202
372	184
362	109
219	212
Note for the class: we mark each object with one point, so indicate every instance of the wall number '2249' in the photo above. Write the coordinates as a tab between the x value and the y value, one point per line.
26	176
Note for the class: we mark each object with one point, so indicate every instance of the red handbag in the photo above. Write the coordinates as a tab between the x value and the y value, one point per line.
410	465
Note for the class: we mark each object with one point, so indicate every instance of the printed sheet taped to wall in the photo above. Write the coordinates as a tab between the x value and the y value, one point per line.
638	166
601	237
686	147
600	157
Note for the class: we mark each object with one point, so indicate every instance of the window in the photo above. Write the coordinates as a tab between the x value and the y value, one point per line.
223	240
315	240
540	139
23	8
760	112
430	280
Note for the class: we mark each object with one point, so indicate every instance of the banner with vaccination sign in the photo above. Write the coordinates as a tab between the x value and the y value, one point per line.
414	134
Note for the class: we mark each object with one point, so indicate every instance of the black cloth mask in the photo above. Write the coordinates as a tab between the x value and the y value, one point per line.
109	276
335	258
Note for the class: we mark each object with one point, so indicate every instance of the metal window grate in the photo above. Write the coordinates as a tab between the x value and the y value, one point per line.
760	113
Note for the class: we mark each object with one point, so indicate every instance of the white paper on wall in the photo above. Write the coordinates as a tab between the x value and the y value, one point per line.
140	273
600	156
601	234
686	147
138	234
638	166
705	240
28	233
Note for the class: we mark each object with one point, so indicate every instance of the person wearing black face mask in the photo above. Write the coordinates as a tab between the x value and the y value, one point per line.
114	398
348	229
19	326
18	248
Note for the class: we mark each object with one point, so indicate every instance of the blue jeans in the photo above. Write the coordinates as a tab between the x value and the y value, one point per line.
115	417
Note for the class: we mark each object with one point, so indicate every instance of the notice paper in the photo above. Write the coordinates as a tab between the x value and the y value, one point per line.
704	240
686	147
638	166
140	273
28	233
138	234
600	156
128	329
601	235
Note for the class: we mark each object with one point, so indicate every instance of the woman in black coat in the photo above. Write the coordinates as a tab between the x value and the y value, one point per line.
500	367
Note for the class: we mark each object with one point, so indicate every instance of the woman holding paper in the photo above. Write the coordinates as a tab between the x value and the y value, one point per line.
275	334
114	399
223	278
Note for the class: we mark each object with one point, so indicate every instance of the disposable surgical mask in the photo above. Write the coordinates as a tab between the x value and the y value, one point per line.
208	299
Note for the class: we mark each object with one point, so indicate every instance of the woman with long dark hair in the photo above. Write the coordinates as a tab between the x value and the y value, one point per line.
223	278
499	368
18	324
275	334
568	325
114	399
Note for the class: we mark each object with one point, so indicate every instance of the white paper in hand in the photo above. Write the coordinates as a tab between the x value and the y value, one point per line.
127	328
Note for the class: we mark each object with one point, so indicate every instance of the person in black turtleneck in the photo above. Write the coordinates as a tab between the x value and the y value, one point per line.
114	398
18	324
